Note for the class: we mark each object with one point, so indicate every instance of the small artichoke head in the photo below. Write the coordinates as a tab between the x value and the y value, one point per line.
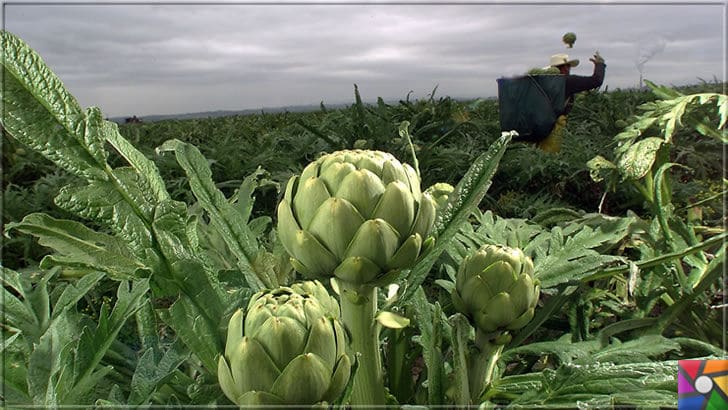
496	289
358	215
287	349
569	39
441	193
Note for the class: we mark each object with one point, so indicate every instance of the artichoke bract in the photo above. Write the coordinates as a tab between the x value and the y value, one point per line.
288	349
357	215
496	289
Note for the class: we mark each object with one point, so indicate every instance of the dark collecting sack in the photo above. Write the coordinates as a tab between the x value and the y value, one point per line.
531	104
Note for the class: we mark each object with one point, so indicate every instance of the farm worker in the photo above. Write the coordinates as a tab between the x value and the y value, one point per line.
574	84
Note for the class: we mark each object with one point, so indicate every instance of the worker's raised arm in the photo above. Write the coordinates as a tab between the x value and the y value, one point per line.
579	83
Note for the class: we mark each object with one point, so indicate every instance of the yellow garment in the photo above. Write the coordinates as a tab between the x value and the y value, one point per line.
552	143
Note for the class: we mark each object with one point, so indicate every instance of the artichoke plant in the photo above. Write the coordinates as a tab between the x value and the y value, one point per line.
496	289
356	215
288	349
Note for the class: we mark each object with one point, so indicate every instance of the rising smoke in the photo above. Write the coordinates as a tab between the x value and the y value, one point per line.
646	49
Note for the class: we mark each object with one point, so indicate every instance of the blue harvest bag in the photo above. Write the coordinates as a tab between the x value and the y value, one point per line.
531	104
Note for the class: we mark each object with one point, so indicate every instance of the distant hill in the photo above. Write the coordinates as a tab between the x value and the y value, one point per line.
227	113
270	110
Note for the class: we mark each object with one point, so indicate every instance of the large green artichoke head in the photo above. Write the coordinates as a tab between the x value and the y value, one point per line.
358	215
496	289
288	349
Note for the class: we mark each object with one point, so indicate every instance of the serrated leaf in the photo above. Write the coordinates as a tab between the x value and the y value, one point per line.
143	167
115	400
50	356
467	196
558	259
673	118
243	197
516	384
94	342
39	112
228	220
16	313
197	333
151	373
79	247
634	351
513	232
170	227
74	291
430	323
652	384
201	286
722	111
124	206
29	310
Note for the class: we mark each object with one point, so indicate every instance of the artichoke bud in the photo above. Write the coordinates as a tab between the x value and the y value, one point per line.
496	289
288	349
441	193
357	215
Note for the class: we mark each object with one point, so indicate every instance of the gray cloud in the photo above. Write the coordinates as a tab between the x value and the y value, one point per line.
156	58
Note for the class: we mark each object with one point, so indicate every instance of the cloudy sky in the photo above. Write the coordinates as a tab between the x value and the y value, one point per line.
155	58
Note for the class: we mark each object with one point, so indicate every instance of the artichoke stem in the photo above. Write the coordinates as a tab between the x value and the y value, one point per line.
358	307
483	364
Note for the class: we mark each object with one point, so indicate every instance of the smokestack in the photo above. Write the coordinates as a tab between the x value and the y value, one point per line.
647	49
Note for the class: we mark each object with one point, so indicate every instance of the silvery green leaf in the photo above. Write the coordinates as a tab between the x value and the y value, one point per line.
596	385
641	349
196	331
151	373
77	247
48	359
18	314
39	112
124	207
228	220
460	335
513	232
145	169
466	197
73	292
201	286
170	227
432	325
94	342
558	259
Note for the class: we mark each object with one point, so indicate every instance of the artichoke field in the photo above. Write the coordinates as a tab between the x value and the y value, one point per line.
356	285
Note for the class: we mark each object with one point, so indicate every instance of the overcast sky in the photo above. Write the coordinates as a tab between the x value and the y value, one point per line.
152	58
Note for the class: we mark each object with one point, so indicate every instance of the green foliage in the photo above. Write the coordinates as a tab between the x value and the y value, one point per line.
124	259
646	144
55	353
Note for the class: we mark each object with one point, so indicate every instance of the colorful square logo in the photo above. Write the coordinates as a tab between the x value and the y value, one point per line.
702	385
